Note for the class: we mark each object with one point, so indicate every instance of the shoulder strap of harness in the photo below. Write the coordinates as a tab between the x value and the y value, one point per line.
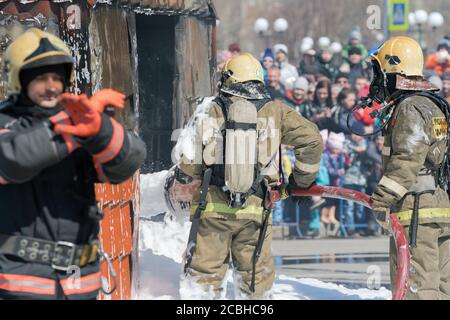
218	170
439	101
192	240
224	103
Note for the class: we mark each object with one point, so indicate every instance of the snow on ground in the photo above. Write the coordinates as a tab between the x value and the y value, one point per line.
152	194
162	244
287	288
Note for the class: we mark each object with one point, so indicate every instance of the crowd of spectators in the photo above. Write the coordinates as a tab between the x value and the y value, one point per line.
324	87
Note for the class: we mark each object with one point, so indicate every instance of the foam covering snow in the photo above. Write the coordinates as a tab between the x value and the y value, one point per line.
152	194
186	141
162	245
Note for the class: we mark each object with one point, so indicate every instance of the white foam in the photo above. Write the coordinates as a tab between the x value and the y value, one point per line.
152	194
186	142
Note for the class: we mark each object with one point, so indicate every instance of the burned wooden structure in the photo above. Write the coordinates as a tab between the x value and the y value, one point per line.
161	54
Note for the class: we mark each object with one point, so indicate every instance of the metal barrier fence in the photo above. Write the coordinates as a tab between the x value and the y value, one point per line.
295	224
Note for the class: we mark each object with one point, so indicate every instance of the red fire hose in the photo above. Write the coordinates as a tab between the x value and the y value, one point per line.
178	196
398	233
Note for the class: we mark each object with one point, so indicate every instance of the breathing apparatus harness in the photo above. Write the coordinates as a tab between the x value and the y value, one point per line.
379	92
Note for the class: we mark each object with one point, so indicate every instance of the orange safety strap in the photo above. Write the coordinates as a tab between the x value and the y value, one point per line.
81	285
63	117
114	145
27	284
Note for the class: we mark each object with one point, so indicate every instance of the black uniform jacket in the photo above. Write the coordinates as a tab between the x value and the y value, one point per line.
47	191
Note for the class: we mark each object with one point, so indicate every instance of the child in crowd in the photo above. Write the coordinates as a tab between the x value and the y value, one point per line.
322	179
355	179
335	161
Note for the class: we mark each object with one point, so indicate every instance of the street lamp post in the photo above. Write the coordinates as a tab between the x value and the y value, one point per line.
336	47
420	18
435	20
324	42
261	27
412	21
306	44
280	26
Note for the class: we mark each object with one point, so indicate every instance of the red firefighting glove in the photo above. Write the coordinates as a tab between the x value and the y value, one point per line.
107	97
85	117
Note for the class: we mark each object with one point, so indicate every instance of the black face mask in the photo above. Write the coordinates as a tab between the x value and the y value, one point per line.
378	90
391	83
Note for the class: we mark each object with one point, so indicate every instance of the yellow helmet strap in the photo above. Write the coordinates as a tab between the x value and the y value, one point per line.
224	77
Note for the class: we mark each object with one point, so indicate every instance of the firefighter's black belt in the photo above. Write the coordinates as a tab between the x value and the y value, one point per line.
233	125
59	255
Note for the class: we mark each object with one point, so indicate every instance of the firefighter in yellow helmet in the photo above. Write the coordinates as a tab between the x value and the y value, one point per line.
230	220
53	148
415	163
33	50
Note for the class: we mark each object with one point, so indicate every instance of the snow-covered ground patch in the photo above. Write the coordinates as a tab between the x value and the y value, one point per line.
162	245
288	288
152	194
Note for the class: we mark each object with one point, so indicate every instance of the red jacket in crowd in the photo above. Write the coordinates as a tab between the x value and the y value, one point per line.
433	63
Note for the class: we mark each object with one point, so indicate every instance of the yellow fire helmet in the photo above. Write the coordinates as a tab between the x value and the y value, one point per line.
401	55
33	49
242	68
